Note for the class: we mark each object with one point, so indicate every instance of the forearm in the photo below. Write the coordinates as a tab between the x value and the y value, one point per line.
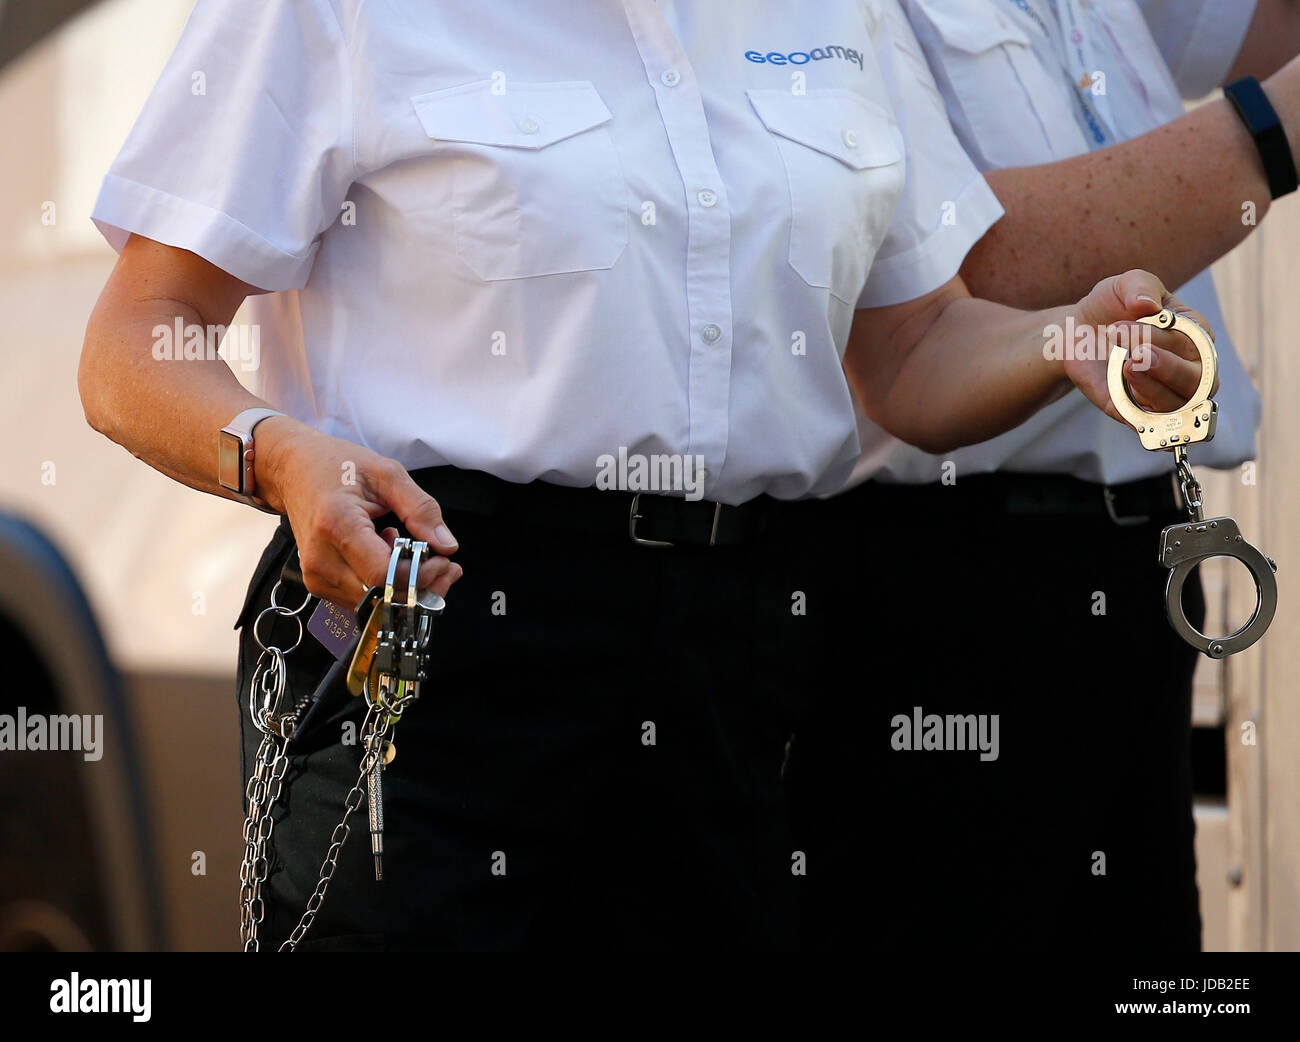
166	412
1271	41
1170	201
977	369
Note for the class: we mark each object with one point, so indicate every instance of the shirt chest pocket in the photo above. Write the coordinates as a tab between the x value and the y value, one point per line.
844	164
1016	110
537	186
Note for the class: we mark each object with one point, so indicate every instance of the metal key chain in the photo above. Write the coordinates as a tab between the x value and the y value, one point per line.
1184	545
389	662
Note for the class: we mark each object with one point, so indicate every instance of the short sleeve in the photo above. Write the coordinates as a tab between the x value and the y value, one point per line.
243	152
1200	39
946	206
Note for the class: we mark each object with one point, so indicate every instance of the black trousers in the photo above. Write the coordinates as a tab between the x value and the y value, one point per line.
1080	832
597	761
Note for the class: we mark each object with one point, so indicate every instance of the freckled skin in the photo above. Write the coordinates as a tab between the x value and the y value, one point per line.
1189	177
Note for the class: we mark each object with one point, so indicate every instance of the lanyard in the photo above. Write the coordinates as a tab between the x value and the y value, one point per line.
1070	43
1081	61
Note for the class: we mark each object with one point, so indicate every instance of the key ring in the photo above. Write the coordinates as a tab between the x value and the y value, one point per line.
1185	545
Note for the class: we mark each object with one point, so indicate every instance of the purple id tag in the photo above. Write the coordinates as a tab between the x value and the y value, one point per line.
334	627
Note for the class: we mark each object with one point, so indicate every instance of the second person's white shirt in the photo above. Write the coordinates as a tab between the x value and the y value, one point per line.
1006	70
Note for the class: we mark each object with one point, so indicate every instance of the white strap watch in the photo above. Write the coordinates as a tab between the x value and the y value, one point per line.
235	456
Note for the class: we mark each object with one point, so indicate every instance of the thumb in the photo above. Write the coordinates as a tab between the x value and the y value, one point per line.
1140	293
1133	295
418	510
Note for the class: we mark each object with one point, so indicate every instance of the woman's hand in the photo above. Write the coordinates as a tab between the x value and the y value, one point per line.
1162	375
332	491
947	370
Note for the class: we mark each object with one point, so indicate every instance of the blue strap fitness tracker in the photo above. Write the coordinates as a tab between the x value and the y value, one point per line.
1261	119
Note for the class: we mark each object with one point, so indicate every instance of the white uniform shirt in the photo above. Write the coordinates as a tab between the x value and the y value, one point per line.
1006	69
518	237
1199	39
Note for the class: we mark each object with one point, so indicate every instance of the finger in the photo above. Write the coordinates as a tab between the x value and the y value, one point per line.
445	581
1166	384
1179	308
327	574
418	510
1170	341
1153	398
436	573
433	571
364	551
1090	379
1180	375
1140	293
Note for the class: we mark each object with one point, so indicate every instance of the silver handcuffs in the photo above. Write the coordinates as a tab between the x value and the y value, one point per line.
1185	545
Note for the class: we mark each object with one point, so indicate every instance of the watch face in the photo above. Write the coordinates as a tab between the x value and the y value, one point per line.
230	461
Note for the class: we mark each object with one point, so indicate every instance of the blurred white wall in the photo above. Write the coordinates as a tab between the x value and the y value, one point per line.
165	567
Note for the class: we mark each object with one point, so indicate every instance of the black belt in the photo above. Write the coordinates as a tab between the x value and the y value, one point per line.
1128	503
652	520
646	518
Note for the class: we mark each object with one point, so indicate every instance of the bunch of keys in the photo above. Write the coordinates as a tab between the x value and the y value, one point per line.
388	666
388	662
1183	546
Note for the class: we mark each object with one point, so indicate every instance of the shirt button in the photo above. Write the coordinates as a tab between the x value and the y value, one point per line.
851	138
707	197
528	125
671	77
711	334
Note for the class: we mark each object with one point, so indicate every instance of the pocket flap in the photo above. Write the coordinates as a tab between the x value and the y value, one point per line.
839	123
523	115
973	32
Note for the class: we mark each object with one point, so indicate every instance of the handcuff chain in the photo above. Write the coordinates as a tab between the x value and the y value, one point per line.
1188	485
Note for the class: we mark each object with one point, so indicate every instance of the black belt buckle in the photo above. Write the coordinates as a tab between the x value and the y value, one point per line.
634	515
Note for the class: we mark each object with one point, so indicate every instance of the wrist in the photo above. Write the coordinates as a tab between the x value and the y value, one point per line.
1061	339
273	448
1270	113
1283	92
